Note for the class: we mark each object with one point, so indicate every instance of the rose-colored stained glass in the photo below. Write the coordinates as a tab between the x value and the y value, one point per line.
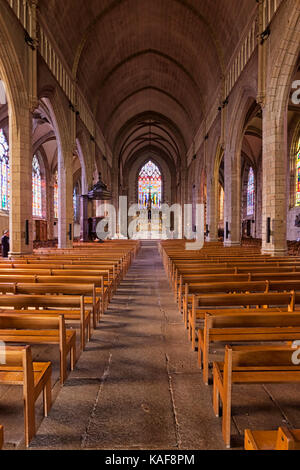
55	195
5	173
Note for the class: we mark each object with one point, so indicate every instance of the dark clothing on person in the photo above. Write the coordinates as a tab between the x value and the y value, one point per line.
5	246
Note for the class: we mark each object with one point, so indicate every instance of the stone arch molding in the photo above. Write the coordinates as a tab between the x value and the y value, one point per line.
12	74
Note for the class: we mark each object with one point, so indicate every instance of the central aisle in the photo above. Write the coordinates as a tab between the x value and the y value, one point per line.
137	386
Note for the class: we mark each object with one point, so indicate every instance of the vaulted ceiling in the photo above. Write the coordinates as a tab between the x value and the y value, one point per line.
137	60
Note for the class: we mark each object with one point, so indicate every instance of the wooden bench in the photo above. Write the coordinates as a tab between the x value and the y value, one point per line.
194	279
282	439
71	307
35	377
249	365
284	285
104	286
87	290
40	329
220	288
101	291
234	300
247	327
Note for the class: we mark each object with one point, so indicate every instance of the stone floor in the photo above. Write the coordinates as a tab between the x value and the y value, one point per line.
137	385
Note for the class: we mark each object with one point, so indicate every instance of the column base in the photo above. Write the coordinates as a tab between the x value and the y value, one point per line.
274	252
229	243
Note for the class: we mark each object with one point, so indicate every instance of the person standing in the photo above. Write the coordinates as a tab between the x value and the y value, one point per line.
5	244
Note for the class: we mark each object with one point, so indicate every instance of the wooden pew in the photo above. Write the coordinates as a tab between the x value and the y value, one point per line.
230	327
87	290
284	285
249	365
282	439
35	377
70	306
40	329
101	290
234	300
33	273
189	284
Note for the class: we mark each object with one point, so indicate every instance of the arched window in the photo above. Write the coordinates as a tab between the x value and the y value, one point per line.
5	176
250	192
298	174
221	203
150	186
55	195
36	188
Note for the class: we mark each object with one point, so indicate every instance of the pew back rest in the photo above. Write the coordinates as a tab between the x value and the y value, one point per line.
248	320
244	299
31	322
258	357
41	301
252	286
43	288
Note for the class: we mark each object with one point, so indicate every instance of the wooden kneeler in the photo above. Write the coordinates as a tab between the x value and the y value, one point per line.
282	439
35	377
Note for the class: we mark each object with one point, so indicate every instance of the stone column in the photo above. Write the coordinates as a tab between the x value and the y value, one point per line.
274	185
232	198
65	198
20	216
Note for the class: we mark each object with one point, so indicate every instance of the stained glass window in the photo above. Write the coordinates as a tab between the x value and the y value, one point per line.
36	188
298	175
55	195
150	186
5	174
221	203
250	192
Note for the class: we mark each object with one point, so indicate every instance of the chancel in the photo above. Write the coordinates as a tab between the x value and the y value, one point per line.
150	226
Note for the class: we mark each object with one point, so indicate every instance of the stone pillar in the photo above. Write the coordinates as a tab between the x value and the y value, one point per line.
232	198
212	209
65	198
20	216
274	184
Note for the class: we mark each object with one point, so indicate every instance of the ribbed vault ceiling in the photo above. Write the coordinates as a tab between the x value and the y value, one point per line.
161	57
